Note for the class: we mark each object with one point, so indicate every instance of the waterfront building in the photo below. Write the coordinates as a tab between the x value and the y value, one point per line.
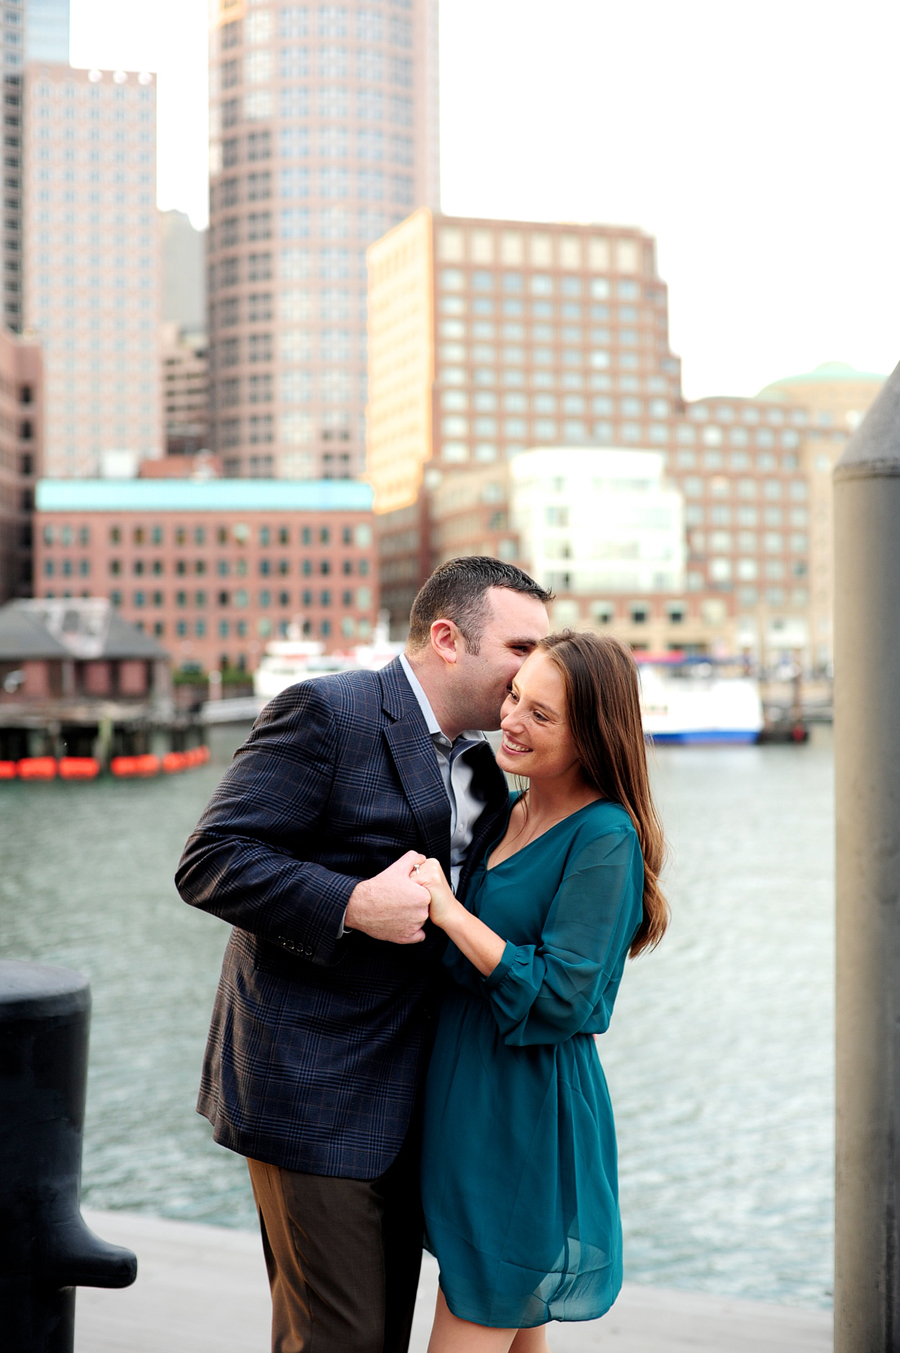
92	279
488	339
185	390
20	457
323	134
66	667
214	568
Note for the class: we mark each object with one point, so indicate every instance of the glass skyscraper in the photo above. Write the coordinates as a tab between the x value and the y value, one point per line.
323	131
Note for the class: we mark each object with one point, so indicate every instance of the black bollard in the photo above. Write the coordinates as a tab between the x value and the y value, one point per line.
46	1250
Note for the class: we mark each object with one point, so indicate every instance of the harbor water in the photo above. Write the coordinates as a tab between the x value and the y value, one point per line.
719	1058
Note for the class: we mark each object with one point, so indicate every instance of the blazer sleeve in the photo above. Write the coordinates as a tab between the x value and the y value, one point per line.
240	862
546	992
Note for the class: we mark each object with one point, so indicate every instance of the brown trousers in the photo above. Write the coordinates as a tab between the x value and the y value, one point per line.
343	1257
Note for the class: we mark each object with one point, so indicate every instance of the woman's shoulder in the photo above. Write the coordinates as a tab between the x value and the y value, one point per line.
603	824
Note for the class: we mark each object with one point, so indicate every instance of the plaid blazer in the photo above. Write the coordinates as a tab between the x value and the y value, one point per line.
317	1046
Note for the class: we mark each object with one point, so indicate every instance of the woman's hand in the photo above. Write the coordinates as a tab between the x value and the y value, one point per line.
481	946
444	905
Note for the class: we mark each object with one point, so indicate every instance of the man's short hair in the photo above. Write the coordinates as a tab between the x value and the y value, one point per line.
458	590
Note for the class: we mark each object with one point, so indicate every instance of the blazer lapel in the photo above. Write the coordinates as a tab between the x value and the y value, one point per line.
414	756
497	791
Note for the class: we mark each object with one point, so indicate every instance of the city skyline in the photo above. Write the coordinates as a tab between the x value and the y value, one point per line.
725	161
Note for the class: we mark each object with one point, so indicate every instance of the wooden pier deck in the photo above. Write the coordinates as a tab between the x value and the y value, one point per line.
202	1289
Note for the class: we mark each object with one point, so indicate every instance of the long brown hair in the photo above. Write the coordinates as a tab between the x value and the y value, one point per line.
604	713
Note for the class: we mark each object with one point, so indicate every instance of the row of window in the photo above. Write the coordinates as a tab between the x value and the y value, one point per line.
560	364
361	599
479	353
541	402
540	310
772	542
224	567
572	430
240	533
299	142
722	570
259	67
298	102
350	628
516	401
327	21
538	284
718	486
720	514
736	436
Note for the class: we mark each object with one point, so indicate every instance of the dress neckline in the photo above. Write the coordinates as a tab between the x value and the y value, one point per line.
489	868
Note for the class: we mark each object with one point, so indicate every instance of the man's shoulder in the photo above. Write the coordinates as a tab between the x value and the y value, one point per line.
344	694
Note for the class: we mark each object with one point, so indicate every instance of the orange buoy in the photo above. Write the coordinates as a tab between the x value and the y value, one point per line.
129	766
79	767
173	762
7	770
37	768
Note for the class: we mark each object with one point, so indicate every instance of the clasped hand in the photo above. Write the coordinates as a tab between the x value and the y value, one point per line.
395	904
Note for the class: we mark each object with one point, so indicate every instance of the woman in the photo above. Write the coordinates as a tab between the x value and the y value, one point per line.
519	1158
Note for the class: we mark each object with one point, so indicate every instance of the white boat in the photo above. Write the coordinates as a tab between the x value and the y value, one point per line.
696	702
287	661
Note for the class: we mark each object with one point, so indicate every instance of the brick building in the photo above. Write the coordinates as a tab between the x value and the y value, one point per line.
214	568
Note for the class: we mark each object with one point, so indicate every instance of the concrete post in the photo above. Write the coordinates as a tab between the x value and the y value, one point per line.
867	766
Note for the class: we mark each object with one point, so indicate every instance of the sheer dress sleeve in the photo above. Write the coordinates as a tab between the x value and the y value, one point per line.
567	984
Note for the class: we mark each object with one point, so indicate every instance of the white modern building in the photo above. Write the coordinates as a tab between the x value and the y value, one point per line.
92	262
595	521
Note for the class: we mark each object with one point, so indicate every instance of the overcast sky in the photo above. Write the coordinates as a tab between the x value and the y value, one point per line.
758	143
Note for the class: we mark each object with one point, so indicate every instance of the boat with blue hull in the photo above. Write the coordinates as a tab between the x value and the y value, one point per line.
690	702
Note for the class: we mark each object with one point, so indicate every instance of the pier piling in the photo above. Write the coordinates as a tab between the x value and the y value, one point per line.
867	768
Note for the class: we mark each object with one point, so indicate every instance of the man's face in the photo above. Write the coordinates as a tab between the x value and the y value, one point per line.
513	625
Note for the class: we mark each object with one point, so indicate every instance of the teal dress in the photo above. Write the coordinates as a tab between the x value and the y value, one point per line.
519	1180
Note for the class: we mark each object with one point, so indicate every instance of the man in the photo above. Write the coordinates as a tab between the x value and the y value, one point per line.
319	1034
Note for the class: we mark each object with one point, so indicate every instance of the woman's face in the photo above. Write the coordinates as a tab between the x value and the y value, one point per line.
536	738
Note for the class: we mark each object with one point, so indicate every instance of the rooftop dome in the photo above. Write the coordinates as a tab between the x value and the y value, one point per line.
829	371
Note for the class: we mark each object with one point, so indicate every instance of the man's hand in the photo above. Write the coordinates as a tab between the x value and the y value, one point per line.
391	906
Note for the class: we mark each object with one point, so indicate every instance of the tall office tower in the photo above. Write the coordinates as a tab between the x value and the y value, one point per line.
490	337
30	30
323	126
92	285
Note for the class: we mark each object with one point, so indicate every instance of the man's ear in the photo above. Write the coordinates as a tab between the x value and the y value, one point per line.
446	640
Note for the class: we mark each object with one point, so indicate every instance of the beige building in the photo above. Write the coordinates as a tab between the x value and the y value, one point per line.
488	339
91	283
835	396
323	134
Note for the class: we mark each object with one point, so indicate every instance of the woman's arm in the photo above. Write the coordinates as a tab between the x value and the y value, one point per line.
481	946
546	992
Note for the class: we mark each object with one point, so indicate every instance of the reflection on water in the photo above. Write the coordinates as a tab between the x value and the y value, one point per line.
719	1058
